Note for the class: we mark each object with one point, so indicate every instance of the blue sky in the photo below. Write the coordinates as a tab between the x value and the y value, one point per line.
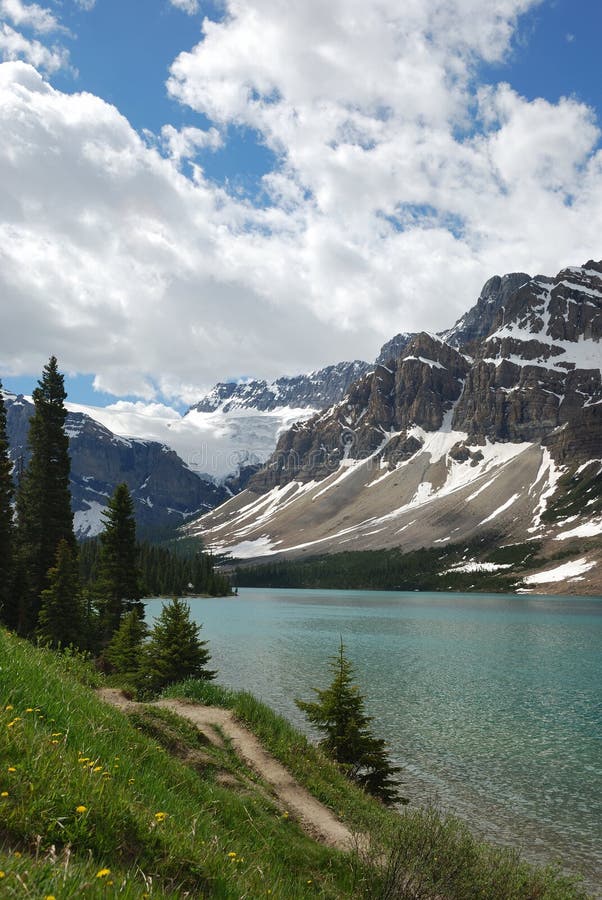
230	195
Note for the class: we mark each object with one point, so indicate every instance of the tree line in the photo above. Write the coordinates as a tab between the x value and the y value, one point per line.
163	570
426	569
53	592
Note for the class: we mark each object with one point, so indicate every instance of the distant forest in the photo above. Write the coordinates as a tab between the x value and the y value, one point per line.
424	569
168	571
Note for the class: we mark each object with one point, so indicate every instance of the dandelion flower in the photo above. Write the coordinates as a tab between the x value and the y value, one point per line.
12	769
18	854
49	897
97	769
8	707
232	854
160	816
29	709
81	809
102	873
2	874
4	794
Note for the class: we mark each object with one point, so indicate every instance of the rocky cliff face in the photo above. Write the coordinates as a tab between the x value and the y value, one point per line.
539	369
473	326
419	388
164	490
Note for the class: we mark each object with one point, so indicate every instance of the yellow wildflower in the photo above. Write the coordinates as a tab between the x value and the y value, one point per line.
232	854
49	897
2	874
8	707
12	769
29	709
160	816
102	873
97	769
4	794
81	809
18	854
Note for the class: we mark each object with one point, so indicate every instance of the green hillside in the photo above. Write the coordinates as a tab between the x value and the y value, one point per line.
94	803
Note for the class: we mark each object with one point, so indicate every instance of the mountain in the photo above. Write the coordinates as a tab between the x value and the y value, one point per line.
317	390
474	325
491	429
164	490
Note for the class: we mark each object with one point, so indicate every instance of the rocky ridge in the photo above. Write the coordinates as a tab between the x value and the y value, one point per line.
316	390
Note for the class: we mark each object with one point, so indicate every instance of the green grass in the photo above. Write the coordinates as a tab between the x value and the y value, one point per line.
69	750
81	787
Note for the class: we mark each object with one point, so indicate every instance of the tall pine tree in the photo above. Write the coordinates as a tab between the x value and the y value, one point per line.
44	516
118	588
60	622
7	611
339	714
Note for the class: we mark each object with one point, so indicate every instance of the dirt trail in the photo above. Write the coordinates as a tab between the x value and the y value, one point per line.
315	818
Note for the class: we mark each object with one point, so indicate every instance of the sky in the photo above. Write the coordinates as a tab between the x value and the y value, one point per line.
193	192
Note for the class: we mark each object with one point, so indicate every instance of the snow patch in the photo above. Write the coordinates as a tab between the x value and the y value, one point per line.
561	573
588	529
89	522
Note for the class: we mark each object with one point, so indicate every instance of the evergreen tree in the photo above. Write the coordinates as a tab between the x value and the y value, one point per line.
339	714
175	651
118	586
7	610
44	516
124	653
61	613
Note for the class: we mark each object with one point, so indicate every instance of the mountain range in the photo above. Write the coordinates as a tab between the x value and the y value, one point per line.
491	430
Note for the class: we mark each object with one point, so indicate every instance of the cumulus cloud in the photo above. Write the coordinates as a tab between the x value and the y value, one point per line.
186	142
188	6
14	45
29	15
400	184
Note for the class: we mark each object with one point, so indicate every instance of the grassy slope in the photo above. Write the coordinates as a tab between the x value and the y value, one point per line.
219	833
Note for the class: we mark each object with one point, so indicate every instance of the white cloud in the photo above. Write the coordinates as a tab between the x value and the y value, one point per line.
188	6
400	185
29	15
185	143
14	45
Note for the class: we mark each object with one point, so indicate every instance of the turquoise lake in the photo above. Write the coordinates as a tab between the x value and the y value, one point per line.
491	703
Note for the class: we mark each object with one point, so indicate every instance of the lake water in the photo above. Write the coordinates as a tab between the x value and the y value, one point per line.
492	703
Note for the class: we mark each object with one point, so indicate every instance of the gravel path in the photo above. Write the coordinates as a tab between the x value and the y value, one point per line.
315	818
